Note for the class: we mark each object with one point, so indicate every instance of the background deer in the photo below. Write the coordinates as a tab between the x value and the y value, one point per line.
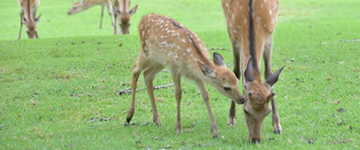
84	5
112	7
123	13
27	16
251	24
165	42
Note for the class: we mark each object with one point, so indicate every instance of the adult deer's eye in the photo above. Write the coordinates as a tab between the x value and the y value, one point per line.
227	89
246	112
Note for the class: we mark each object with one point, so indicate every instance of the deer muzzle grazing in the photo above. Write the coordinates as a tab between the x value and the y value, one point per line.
167	43
250	25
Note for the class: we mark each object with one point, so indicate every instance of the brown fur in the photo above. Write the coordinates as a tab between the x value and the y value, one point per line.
27	16
257	93
167	43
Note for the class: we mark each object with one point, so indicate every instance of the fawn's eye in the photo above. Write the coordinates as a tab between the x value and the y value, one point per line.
227	89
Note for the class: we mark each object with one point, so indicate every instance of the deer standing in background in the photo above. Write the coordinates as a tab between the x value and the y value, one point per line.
251	24
27	16
111	6
167	43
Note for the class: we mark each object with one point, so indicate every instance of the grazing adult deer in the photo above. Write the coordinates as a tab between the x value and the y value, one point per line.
251	24
124	15
165	42
27	16
111	6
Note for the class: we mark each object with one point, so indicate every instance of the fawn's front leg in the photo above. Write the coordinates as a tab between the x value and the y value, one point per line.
205	96
178	94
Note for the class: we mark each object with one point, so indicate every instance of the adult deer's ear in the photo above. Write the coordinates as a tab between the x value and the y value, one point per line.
218	60
249	74
207	71
37	19
133	11
274	77
117	10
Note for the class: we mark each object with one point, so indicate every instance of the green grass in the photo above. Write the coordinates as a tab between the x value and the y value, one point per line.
56	92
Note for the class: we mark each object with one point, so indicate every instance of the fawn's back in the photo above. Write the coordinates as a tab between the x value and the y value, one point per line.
166	41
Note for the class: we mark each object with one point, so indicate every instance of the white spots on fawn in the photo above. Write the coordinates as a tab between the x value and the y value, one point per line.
188	50
275	6
227	5
163	43
202	46
270	12
235	31
239	27
183	40
258	19
175	34
178	47
245	21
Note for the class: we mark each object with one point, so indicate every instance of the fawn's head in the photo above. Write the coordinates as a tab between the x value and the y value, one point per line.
124	18
222	79
257	95
31	26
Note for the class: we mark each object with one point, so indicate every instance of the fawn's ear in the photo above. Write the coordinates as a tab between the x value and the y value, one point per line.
249	74
206	70
274	77
218	60
133	11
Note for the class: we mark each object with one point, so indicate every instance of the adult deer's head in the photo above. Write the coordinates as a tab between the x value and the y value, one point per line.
257	97
124	16
31	27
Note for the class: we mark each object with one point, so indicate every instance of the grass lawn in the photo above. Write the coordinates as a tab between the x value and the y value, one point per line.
59	91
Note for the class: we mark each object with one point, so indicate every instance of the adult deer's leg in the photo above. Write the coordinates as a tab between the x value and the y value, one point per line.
149	75
205	95
112	14
21	23
178	94
114	27
236	54
268	72
101	16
